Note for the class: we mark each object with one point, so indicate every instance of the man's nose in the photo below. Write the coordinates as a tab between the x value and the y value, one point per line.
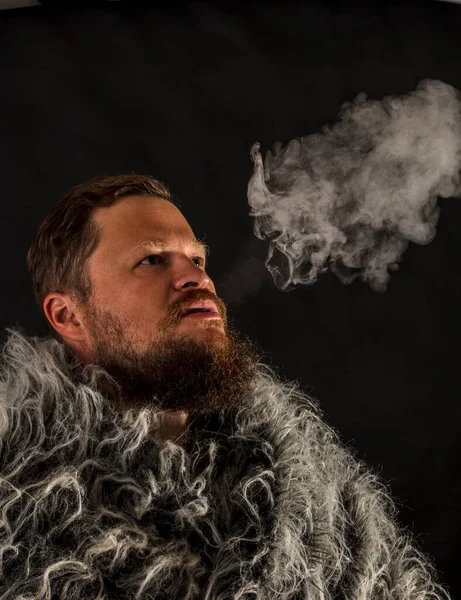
187	274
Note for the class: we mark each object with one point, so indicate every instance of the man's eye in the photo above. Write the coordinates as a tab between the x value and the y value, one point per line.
201	262
149	257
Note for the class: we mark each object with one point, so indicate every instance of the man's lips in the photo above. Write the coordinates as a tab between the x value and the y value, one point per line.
201	307
202	315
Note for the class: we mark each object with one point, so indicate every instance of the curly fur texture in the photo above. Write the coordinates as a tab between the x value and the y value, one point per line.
266	505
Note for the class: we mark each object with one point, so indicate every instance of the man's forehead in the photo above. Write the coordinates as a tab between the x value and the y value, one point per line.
134	226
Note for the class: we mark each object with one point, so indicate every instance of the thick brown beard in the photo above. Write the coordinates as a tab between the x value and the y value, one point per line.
176	371
180	373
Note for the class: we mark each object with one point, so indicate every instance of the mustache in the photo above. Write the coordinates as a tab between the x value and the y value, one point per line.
177	308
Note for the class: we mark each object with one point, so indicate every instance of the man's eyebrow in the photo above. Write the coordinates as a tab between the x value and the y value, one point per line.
155	243
200	245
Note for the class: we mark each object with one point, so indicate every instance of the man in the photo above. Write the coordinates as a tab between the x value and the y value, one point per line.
154	321
148	453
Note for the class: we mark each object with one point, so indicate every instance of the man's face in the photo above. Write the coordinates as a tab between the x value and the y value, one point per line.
147	270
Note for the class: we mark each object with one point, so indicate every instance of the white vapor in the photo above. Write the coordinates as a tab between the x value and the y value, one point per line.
350	199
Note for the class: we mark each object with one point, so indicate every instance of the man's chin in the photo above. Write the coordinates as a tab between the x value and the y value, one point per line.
193	336
201	328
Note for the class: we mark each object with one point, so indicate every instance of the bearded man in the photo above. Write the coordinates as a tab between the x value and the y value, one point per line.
147	452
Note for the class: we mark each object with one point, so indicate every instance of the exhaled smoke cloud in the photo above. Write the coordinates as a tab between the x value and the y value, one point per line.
350	199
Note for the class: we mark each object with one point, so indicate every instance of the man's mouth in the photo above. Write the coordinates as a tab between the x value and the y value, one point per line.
205	309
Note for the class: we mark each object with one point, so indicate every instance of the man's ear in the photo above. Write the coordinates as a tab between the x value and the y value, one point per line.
65	317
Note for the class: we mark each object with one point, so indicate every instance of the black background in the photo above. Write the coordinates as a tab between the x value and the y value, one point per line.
181	93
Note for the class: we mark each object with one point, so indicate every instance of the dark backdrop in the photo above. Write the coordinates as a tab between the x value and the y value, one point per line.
182	93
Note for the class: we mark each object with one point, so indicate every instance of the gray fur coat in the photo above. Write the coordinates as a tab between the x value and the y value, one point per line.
266	505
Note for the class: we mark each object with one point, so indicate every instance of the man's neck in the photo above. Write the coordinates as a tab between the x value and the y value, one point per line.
174	426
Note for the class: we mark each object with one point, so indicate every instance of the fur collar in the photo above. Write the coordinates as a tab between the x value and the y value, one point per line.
267	504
